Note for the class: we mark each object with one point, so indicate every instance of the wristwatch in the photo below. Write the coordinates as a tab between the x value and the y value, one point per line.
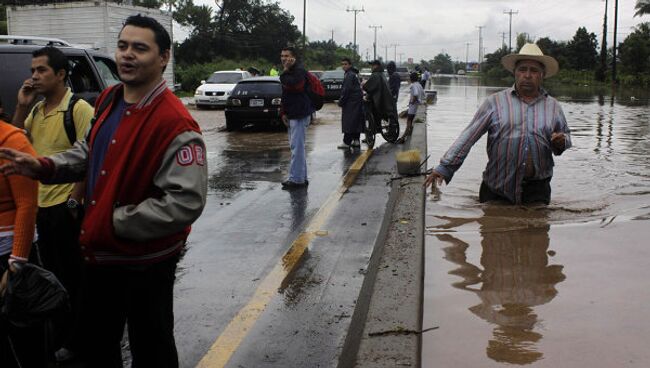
72	204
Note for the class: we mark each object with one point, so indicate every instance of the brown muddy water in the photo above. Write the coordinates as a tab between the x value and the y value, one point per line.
564	285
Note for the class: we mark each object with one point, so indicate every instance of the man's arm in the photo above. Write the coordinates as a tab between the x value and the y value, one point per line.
185	186
455	156
26	96
561	136
66	167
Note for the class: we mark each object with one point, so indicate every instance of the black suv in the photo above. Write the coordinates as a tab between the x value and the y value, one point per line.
254	100
332	81
90	70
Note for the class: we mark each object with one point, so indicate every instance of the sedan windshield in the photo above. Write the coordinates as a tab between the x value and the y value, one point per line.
258	88
224	78
332	74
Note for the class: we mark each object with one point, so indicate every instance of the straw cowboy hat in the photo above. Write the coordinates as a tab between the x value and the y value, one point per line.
531	51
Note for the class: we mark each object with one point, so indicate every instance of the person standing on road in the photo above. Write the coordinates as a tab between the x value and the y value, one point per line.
525	127
425	78
394	81
144	162
379	93
18	205
416	97
55	124
274	71
296	115
351	102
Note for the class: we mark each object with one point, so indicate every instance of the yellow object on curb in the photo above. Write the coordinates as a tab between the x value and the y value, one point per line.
408	162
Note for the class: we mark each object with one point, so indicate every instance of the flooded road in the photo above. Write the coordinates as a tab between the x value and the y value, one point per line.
563	285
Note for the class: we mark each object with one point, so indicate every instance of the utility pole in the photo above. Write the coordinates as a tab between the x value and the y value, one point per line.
503	38
386	47
400	58
355	11
480	46
395	51
466	54
304	24
614	46
374	45
602	69
332	36
510	29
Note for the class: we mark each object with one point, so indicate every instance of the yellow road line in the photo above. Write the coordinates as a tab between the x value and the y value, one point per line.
227	343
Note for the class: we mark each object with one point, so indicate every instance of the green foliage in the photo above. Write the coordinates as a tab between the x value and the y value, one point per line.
642	7
441	63
327	55
582	50
634	52
492	65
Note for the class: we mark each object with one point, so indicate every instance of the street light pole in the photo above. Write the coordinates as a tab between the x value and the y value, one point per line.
374	45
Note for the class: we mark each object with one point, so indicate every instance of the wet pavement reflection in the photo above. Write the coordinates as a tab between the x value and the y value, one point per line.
562	285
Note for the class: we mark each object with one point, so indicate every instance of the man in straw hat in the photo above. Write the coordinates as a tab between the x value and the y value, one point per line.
525	128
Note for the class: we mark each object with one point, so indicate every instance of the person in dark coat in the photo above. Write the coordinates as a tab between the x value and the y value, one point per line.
352	103
394	80
379	92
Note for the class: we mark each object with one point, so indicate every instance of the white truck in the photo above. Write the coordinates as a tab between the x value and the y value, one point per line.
88	24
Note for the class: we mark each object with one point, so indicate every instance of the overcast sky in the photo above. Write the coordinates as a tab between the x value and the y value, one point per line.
424	28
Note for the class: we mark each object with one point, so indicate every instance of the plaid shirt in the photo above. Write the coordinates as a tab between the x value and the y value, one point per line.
515	130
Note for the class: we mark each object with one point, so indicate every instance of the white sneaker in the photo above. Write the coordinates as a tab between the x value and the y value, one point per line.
343	146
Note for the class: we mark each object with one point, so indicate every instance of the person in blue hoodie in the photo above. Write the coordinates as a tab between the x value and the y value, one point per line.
296	115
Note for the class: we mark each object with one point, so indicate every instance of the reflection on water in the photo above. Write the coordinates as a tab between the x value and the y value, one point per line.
514	276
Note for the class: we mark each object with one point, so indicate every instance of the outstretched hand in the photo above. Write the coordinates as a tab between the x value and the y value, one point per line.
19	163
434	177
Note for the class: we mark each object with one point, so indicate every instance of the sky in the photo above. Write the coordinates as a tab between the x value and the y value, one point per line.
425	28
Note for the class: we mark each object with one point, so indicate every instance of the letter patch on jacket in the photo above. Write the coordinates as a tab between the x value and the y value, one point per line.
187	155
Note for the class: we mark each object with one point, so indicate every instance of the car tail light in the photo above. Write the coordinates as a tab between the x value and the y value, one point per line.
276	101
236	102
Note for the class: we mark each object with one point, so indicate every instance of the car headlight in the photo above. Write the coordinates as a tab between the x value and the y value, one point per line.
235	102
198	93
276	101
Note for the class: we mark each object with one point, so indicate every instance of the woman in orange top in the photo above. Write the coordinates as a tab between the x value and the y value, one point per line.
18	203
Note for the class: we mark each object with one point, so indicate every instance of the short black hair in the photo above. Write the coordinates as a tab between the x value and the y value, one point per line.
292	50
56	59
347	60
163	40
413	77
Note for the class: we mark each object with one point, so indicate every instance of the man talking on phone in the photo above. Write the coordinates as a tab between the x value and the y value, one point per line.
296	115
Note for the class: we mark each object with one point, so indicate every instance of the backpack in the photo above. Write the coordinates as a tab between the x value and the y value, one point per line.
68	119
315	91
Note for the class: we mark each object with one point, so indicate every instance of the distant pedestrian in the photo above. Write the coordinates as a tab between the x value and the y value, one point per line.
351	102
144	162
525	127
296	115
274	71
253	71
55	124
416	98
394	80
19	346
425	77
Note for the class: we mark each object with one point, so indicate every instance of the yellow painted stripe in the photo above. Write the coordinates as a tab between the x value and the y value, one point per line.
232	336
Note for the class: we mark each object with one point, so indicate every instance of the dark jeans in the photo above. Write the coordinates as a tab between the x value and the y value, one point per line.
349	137
28	344
58	248
139	295
534	191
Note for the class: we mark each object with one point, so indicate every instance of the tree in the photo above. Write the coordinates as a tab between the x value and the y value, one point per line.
441	63
522	39
492	65
557	50
582	50
634	52
642	7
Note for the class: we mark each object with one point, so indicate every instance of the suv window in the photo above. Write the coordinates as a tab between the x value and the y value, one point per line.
14	69
81	76
224	78
107	70
402	70
261	88
334	74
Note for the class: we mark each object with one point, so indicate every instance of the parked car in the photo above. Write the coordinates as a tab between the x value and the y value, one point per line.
403	74
332	81
90	70
215	90
364	74
255	100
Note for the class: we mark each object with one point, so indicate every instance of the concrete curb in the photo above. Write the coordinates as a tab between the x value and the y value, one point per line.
388	332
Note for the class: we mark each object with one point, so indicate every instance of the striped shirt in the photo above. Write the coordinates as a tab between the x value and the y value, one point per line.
515	130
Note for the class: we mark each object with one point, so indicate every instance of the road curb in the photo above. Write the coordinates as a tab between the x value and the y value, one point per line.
387	323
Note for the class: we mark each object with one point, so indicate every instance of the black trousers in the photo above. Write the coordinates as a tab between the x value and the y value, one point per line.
58	248
349	137
534	191
140	297
21	347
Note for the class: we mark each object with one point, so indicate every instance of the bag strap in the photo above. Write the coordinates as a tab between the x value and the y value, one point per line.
68	120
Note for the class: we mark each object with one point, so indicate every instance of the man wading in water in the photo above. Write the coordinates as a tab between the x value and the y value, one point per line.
525	128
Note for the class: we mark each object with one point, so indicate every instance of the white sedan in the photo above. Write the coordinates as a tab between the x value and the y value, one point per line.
215	90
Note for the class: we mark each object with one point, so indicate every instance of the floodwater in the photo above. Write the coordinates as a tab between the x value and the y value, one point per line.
564	285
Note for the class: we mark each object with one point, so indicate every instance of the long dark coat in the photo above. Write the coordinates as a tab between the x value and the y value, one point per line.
352	103
377	88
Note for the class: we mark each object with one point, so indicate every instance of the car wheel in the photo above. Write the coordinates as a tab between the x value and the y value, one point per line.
232	125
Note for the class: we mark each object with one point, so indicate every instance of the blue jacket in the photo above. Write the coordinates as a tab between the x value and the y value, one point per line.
295	101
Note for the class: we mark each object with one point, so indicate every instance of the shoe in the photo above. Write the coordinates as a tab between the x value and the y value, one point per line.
356	143
288	184
343	146
63	355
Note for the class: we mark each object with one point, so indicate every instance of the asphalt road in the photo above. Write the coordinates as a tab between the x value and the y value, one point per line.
249	224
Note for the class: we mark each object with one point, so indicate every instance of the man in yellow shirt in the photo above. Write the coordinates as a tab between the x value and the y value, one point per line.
54	129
